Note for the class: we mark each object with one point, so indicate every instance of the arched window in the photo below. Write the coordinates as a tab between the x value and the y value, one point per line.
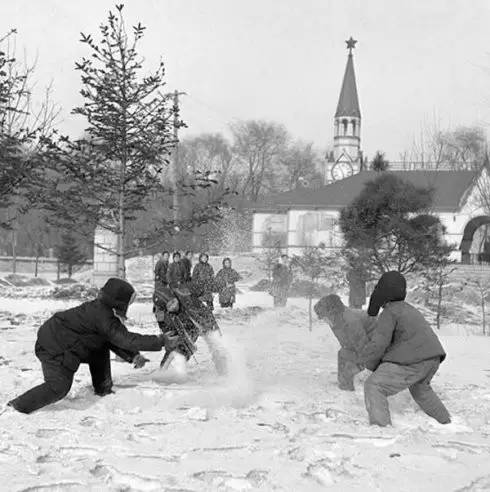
345	123
354	128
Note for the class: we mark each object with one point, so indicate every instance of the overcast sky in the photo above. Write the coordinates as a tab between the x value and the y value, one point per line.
283	60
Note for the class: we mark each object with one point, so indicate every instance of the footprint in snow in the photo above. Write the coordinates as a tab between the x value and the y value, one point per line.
126	481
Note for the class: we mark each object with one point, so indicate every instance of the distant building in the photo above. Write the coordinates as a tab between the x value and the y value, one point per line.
308	217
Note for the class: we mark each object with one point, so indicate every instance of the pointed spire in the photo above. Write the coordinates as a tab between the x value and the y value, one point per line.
348	101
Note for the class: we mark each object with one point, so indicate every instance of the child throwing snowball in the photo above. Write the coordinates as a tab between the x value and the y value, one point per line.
409	350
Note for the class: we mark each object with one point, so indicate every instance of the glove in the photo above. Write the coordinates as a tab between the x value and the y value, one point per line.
139	361
170	343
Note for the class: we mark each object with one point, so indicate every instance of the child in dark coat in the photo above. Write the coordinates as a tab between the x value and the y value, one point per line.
352	328
161	271
86	334
176	272
409	350
225	283
203	276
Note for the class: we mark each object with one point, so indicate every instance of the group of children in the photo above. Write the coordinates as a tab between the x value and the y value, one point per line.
398	346
180	272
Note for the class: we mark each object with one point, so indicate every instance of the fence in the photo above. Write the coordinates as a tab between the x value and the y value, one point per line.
32	266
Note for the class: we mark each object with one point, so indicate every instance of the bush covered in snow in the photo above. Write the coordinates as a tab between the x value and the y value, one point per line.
75	291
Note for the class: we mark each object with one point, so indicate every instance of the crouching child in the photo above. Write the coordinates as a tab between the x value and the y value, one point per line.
409	350
86	334
352	329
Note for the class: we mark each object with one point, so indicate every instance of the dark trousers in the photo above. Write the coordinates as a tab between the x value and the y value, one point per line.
58	380
389	379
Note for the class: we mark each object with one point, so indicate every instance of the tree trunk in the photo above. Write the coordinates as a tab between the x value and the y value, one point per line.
70	270
36	264
14	249
310	302
121	270
483	314
439	305
58	270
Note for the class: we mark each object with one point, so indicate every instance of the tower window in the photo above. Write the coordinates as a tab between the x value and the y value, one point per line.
345	124
353	127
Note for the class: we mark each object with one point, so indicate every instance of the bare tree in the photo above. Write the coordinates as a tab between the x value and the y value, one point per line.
483	287
300	166
258	145
24	128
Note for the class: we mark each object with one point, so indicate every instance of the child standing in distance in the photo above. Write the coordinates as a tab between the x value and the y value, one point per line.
225	283
409	350
282	278
352	328
203	277
187	264
161	270
176	272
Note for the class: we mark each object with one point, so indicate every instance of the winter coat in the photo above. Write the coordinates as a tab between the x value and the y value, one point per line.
402	336
225	284
353	329
79	333
161	269
392	286
282	277
187	266
203	276
175	274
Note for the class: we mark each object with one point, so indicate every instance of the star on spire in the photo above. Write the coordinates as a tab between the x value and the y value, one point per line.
351	44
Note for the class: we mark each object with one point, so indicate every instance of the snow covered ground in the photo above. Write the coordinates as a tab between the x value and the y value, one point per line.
278	422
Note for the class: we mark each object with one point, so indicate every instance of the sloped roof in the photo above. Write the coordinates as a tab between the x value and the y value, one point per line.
348	101
450	187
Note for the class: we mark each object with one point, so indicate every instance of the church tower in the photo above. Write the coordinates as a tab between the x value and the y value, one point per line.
347	156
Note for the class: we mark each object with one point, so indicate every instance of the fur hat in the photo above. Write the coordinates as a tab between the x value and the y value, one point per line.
328	304
118	295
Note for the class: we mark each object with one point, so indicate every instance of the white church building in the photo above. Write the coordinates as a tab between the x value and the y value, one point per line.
309	216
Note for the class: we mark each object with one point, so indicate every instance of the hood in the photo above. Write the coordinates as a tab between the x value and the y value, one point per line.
203	256
331	304
225	260
392	286
118	295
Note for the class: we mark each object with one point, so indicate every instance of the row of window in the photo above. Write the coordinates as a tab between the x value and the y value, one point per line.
342	127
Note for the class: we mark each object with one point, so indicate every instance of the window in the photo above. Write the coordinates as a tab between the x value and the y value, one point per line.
327	223
345	123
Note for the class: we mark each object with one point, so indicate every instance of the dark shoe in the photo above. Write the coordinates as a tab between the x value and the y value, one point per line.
104	392
346	388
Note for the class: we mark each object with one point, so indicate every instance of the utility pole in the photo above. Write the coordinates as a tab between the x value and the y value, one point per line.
175	160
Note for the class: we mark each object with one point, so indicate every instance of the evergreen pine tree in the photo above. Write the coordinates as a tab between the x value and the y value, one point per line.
69	253
379	163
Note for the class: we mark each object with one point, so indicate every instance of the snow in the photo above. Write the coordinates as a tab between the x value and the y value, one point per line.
277	422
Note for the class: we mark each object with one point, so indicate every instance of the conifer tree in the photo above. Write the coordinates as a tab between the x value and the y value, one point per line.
113	174
69	253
